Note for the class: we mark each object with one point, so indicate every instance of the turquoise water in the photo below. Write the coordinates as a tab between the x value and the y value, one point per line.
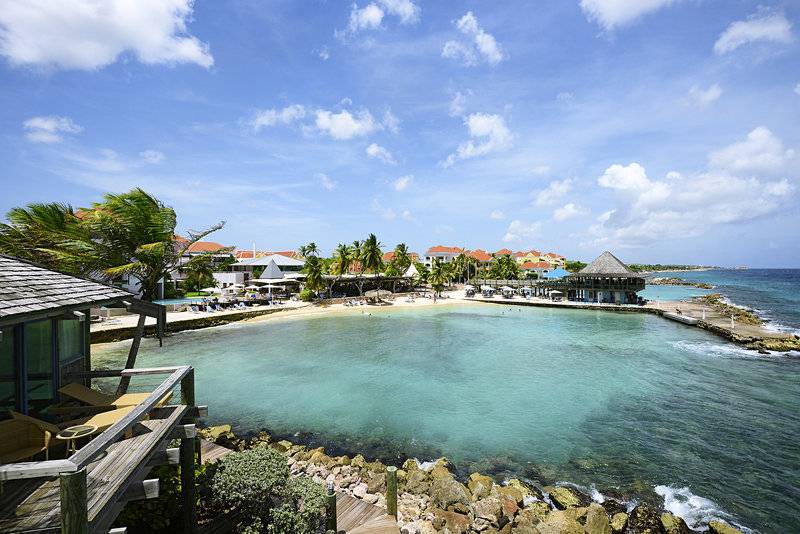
185	300
627	401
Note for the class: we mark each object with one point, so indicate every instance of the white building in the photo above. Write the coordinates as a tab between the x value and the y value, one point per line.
445	254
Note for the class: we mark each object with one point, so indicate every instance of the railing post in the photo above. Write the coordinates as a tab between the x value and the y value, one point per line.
74	504
187	459
391	491
330	519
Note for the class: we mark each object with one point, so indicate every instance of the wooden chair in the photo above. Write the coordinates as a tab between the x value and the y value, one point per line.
21	440
95	398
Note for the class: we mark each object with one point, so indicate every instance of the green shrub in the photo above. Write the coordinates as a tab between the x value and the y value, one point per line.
256	484
306	295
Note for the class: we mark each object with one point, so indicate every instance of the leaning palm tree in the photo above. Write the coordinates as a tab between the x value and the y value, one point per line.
309	250
314	269
127	234
401	258
437	277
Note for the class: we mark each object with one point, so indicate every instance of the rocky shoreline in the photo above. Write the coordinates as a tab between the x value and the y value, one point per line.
433	500
678	282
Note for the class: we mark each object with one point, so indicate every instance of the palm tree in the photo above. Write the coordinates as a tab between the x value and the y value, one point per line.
199	273
437	277
371	255
127	234
342	258
314	269
401	258
309	250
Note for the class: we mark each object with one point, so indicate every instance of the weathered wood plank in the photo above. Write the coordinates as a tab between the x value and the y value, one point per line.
36	469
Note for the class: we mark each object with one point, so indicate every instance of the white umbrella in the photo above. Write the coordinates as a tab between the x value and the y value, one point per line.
506	288
468	286
252	287
377	293
211	290
487	288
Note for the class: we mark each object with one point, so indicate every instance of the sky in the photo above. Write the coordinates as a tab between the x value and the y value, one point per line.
662	130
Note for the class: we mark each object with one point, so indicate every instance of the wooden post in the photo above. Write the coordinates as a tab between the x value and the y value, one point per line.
131	362
391	491
187	458
330	518
74	505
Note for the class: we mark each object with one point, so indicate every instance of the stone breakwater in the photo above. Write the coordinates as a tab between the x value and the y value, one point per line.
431	500
678	282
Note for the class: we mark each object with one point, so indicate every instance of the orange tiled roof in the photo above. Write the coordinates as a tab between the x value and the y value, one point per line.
503	252
480	255
204	246
553	255
448	250
389	256
534	265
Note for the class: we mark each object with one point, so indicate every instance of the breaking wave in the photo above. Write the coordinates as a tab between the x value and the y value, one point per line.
695	510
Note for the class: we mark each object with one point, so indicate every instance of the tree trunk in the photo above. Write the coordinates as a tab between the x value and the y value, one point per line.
131	362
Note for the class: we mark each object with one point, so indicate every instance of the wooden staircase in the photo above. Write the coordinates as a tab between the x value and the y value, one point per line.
379	525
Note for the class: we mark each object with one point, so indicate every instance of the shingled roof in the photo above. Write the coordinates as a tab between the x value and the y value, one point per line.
608	265
26	288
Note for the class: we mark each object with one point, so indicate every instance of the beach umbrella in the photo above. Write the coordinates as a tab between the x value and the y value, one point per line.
211	290
506	288
468	286
377	293
253	287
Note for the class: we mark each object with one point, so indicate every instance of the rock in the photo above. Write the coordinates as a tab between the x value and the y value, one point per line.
376	482
447	490
509	506
644	520
720	527
282	446
360	490
358	461
613	506
371	498
418	527
597	520
564	497
532	514
560	522
618	522
456	523
417	482
672	524
479	485
524	489
489	508
213	432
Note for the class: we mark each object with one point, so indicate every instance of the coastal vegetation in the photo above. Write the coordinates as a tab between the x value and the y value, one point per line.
655	267
678	282
130	234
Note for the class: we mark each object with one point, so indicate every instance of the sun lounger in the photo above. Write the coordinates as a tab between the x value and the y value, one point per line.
95	398
101	420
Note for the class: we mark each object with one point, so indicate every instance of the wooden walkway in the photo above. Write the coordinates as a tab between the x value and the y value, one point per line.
32	505
354	516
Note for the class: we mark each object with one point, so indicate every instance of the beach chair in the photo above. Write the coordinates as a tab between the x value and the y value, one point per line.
21	440
95	398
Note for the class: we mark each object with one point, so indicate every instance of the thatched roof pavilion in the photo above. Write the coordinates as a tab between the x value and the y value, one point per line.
606	279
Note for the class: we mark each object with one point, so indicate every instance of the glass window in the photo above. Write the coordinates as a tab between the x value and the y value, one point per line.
7	396
39	358
69	340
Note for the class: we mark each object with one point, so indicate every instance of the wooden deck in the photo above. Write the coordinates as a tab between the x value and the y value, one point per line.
210	452
31	504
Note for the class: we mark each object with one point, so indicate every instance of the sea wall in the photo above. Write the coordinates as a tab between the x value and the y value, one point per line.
432	500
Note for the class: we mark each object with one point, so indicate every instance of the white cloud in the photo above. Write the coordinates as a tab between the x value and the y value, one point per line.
408	216
497	215
385	213
324	53
372	15
345	125
483	46
553	192
326	182
568	211
271	117
390	121
541	170
565	97
407	10
152	156
49	129
75	34
760	152
402	183
703	97
491	134
767	26
457	104
743	181
519	230
612	14
378	152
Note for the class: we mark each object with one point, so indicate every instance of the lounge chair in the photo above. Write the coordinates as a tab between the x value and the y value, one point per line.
102	420
21	440
95	398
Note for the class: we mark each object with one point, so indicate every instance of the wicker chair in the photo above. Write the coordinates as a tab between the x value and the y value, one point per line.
20	440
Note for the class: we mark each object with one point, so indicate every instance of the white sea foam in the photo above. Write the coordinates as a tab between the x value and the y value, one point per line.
592	491
695	510
719	350
425	466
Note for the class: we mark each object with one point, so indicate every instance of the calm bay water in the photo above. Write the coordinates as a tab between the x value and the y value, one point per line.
627	401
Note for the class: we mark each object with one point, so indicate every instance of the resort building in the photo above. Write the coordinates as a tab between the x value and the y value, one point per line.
481	256
556	260
285	263
444	254
504	252
605	280
220	255
389	256
71	456
242	254
539	268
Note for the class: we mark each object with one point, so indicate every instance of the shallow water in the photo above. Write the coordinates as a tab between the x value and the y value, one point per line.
595	398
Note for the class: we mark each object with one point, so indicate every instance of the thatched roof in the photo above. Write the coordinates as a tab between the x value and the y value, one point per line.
608	265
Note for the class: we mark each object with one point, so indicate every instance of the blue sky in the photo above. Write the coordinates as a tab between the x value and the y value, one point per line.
661	130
